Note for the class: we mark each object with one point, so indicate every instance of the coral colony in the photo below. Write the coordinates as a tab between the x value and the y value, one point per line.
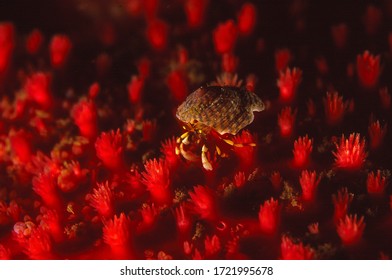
196	129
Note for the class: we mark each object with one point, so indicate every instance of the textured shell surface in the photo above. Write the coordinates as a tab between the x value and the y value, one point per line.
226	109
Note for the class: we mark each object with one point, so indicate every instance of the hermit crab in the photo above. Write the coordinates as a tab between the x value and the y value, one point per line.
210	116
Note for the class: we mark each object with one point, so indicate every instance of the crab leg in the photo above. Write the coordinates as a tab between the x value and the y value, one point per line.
206	164
231	143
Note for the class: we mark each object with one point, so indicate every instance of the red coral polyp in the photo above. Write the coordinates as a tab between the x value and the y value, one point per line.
194	11
183	219
376	182
85	117
21	145
368	69
38	89
34	41
269	214
376	134
247	18
178	85
309	182
156	178
341	202
295	251
350	153
71	177
6	44
203	202
334	108
102	200
45	186
286	120
117	232
225	36
168	149
157	34
5	253
288	83
110	149
350	229
303	146
245	149
212	246
39	245
60	48
135	89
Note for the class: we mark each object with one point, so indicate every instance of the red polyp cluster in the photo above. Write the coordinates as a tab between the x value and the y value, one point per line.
6	44
288	83
295	251
341	203
5	253
60	48
182	219
50	221
229	63
302	148
157	34
247	18
350	153
225	37
376	183
168	149
157	180
149	214
350	229
20	145
195	10
276	179
269	216
38	89
385	98
368	69
102	200
212	247
334	108
34	41
339	34
203	203
38	244
245	149
45	186
376	134
372	19
117	234
286	120
239	179
110	149
195	129
135	89
84	114
309	182
176	81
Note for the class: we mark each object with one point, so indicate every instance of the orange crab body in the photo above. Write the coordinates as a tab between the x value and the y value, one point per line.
211	115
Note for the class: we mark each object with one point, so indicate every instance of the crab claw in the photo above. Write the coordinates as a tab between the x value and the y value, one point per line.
206	164
189	156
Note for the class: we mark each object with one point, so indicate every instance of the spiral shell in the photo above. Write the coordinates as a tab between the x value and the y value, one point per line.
226	109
